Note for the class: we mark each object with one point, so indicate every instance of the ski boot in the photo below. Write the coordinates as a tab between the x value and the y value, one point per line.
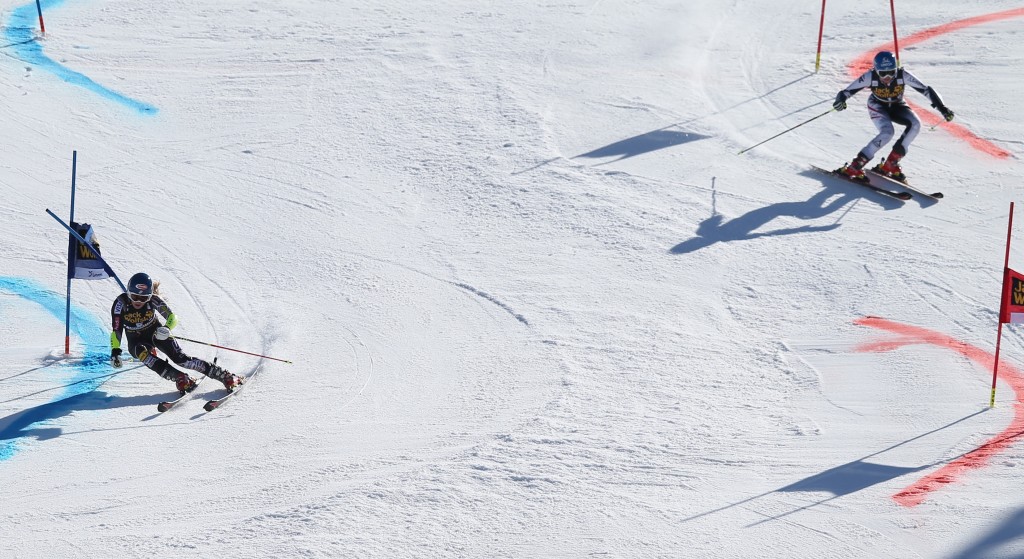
184	383
855	169
891	167
230	381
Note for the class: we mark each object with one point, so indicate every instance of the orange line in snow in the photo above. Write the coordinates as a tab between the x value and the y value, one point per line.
863	63
915	493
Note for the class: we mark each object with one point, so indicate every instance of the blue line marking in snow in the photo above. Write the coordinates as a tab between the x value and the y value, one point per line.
88	374
19	34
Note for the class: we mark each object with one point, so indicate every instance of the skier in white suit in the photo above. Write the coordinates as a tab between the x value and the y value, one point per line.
886	106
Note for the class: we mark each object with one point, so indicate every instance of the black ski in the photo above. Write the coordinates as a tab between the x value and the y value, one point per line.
214	404
904	184
903	196
164	406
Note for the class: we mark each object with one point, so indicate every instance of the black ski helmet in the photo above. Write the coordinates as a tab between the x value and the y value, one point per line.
140	284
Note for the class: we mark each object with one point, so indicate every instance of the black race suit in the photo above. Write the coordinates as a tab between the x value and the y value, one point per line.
139	325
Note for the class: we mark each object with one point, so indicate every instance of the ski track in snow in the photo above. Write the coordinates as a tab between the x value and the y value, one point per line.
494	300
357	187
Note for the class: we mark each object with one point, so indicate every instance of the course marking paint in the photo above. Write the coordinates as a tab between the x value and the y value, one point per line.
19	35
864	62
87	374
916	493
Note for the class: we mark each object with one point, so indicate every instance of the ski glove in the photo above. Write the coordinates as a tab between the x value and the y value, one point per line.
840	103
115	358
162	333
946	113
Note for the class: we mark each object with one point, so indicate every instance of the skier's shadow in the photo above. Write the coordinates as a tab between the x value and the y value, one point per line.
834	196
24	423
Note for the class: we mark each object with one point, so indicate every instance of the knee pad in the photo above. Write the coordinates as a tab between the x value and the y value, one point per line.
148	357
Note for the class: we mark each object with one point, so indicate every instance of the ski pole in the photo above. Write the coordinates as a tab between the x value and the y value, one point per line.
784	131
230	349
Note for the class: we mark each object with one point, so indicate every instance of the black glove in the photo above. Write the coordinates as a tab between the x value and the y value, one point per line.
840	103
115	358
946	113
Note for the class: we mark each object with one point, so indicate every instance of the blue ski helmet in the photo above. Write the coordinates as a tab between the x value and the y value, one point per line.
141	286
885	62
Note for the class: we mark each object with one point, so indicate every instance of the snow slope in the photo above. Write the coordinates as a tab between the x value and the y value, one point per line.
537	304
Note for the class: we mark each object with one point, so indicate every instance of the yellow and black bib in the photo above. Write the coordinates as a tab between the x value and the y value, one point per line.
892	93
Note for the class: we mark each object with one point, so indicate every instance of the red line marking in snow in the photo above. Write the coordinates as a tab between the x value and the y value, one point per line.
863	63
916	493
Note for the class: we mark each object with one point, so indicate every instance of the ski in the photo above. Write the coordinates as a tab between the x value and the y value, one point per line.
904	184
164	406
902	196
211	405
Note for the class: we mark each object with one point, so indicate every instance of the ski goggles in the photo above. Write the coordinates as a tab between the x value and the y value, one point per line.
887	74
136	298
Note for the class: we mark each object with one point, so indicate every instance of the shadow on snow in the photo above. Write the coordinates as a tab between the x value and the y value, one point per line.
644	143
845	479
1005	540
663	137
32	370
30	422
631	147
716	229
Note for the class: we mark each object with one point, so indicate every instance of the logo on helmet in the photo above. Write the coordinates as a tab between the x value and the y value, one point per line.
885	61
